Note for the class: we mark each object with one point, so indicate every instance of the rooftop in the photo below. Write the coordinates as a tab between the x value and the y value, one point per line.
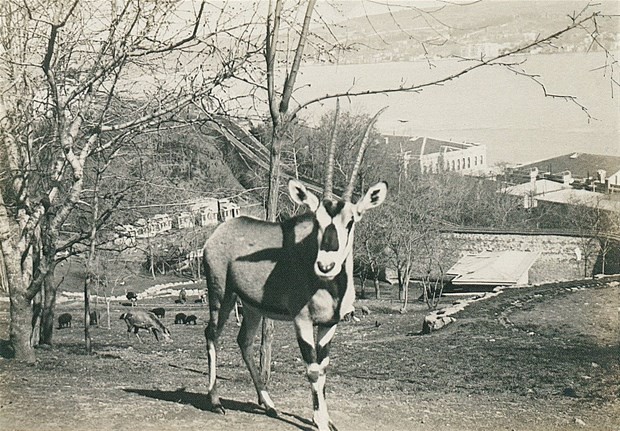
580	165
581	197
493	268
542	187
423	145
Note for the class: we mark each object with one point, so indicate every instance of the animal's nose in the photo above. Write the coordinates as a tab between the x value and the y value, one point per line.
325	268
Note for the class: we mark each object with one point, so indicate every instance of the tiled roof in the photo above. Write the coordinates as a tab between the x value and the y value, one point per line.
580	165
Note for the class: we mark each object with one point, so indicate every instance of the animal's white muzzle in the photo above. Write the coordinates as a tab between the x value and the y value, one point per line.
326	266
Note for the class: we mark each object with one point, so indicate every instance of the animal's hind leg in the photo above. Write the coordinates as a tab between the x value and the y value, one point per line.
219	314
245	339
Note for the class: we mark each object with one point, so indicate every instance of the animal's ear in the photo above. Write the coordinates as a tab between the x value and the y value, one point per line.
373	198
302	196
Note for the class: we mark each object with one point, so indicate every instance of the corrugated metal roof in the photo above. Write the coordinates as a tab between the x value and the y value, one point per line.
493	268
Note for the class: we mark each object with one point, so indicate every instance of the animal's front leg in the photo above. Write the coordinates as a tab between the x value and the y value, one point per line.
317	360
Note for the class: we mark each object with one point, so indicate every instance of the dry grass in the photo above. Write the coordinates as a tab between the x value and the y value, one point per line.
542	358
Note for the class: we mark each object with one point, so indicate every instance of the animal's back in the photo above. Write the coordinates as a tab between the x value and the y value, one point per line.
233	239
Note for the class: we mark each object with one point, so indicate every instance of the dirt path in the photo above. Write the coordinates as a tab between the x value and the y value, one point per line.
553	366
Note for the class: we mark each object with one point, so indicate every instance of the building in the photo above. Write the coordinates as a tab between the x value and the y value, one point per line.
613	183
429	155
205	211
154	226
210	211
227	210
592	172
552	192
183	220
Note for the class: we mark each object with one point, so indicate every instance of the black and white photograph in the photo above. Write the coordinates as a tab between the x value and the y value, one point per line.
315	215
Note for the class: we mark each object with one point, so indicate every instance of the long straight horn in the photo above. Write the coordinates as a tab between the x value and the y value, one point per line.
360	155
329	169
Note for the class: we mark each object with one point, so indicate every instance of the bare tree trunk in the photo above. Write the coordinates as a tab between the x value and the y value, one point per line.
406	287
279	121
20	308
399	274
87	338
37	311
375	281
49	304
272	206
363	278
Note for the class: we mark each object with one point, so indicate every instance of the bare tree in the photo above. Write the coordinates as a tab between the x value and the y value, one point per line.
65	67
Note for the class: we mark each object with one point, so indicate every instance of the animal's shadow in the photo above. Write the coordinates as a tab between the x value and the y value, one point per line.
201	402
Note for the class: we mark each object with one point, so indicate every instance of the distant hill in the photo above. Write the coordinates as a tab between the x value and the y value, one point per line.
452	29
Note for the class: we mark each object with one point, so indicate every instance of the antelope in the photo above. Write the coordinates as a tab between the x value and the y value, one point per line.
298	270
142	319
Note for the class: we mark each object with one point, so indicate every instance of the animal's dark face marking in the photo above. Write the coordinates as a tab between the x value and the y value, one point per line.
330	239
333	208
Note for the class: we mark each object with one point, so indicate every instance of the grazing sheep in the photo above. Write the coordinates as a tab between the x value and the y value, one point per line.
64	320
179	318
142	319
191	319
365	310
159	312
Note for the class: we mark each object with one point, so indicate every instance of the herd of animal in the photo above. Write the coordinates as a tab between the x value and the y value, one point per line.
138	319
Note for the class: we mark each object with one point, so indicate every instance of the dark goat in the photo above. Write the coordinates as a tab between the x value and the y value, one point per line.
142	319
133	297
159	312
179	318
95	316
64	320
191	319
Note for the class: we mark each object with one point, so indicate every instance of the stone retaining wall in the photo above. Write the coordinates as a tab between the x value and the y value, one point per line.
561	257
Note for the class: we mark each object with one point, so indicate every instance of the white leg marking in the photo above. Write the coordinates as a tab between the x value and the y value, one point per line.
326	337
265	396
211	353
321	416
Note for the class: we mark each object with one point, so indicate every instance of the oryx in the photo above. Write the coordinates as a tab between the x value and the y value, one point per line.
300	270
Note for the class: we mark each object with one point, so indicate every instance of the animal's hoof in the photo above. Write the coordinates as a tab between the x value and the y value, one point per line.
219	409
271	412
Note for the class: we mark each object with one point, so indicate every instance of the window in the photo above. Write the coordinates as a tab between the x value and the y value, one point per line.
468	163
476	161
458	165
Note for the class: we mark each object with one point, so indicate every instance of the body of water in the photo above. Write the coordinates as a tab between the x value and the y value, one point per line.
493	106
